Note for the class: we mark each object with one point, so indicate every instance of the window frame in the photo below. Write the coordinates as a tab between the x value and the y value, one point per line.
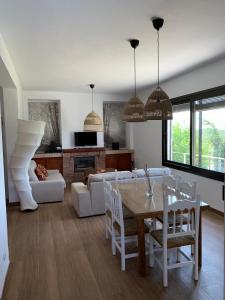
191	98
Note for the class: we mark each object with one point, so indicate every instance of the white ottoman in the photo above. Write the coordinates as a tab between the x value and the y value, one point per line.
81	199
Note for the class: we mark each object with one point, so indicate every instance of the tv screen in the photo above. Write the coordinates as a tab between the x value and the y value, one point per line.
85	138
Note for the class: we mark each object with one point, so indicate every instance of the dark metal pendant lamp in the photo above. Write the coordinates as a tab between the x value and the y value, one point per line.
134	109
158	106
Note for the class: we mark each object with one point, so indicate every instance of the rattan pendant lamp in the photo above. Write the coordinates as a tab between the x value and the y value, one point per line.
134	109
92	121
158	106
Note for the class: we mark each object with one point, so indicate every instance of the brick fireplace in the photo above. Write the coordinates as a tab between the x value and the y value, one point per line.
72	171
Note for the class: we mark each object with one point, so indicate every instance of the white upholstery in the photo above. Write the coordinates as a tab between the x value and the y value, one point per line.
31	171
81	199
140	173
94	192
49	190
110	176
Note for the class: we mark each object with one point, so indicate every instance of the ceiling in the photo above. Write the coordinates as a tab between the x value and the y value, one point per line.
65	45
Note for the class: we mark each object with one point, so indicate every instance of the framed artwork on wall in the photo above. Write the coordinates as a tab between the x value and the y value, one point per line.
49	112
114	126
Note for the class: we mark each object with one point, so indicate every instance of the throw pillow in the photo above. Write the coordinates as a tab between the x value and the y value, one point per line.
40	174
43	170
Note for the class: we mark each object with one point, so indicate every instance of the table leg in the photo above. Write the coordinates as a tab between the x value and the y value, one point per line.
141	247
200	240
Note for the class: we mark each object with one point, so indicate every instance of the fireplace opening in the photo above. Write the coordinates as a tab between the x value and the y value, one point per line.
84	162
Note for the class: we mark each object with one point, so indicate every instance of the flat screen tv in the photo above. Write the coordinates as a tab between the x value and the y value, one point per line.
85	138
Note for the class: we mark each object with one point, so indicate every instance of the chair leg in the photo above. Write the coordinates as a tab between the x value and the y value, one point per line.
196	260
178	255
122	253
165	270
154	224
151	251
106	233
106	230
113	241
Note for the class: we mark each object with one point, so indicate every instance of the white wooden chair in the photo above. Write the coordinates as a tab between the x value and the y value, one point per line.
182	189
187	190
124	230
171	182
175	236
108	197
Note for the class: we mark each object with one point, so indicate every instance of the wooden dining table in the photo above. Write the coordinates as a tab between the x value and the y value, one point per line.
142	207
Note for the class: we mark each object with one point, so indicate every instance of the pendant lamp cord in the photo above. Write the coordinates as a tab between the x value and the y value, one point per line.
158	53
92	99
135	84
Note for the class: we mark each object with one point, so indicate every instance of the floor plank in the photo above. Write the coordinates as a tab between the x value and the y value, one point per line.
56	256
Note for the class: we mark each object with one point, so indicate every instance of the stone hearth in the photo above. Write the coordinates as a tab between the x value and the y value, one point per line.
72	175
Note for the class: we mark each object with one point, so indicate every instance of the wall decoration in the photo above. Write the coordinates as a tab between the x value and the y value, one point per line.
29	135
114	126
49	112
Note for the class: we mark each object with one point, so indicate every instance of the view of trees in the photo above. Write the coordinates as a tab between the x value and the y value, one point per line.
209	145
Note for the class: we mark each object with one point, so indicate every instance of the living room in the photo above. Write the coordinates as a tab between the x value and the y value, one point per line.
57	68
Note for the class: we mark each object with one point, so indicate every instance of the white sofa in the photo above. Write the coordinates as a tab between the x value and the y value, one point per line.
49	190
88	200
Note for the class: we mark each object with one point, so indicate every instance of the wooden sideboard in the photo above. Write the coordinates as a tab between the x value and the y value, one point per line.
50	161
122	160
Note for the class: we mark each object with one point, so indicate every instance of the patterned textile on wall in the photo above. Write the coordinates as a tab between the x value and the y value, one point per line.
49	112
114	126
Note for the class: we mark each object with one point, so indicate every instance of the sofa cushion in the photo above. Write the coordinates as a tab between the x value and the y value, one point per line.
31	171
110	176
54	176
152	172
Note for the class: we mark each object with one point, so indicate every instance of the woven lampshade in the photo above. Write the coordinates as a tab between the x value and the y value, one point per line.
134	110
158	106
93	122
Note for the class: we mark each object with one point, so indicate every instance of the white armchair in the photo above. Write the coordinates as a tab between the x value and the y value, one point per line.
49	190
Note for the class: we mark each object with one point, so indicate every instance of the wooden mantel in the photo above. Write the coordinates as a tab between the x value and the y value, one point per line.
84	149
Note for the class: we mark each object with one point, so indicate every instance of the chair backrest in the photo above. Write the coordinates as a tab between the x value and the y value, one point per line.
108	195
180	209
187	189
170	183
117	209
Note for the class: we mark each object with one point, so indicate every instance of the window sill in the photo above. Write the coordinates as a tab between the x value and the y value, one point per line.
194	170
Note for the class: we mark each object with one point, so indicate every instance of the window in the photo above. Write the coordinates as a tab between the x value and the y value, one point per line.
194	140
179	135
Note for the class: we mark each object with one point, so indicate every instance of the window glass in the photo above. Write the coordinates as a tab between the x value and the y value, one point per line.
178	135
209	133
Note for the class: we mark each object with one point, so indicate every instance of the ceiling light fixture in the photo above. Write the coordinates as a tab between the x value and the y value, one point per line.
158	106
134	109
92	121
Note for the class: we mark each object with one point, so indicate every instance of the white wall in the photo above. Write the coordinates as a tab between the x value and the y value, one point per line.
74	108
148	135
12	94
4	254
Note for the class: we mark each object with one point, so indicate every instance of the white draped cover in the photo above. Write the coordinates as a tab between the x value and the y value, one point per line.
29	135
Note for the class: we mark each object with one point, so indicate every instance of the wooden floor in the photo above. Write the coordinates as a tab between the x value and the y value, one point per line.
56	256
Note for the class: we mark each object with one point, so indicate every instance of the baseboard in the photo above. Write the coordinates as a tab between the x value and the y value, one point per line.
216	211
3	272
